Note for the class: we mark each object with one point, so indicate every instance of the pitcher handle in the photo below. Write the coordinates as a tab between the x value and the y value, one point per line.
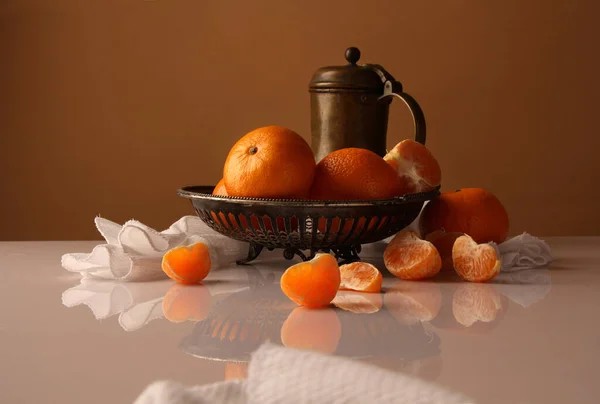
394	89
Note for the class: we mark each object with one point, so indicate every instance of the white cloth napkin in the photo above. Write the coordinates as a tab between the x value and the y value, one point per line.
133	251
283	375
524	252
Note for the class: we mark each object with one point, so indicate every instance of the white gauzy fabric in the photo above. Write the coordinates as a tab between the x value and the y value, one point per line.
524	252
283	375
133	251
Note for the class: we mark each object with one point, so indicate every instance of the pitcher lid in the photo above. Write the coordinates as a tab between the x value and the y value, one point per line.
350	77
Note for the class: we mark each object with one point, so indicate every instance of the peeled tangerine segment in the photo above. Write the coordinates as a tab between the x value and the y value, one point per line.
187	264
360	276
475	262
410	258
314	283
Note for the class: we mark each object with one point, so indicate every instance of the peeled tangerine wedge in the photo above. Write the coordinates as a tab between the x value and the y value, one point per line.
187	264
314	283
417	168
408	257
360	276
475	262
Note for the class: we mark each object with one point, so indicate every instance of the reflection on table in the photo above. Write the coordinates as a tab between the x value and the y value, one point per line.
236	310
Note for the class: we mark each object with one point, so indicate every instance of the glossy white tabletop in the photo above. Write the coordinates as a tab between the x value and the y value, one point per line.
527	337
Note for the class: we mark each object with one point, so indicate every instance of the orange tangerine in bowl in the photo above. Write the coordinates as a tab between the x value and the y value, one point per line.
270	162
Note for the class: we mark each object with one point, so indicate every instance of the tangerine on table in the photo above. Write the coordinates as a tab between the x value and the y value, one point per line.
473	211
187	264
354	174
360	276
270	162
313	283
418	169
475	262
408	257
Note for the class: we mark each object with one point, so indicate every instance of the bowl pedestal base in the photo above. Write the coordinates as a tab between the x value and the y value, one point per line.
344	254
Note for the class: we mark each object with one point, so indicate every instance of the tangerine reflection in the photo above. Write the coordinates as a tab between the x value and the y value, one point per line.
412	302
358	302
474	302
186	302
313	329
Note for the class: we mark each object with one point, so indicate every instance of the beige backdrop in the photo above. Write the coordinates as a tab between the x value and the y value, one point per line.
108	106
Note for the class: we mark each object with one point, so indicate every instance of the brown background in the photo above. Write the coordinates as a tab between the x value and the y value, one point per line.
109	106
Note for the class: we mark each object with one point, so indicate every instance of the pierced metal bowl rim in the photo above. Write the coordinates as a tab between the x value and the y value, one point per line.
191	192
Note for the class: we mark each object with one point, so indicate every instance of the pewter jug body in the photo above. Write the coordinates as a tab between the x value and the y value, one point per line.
350	107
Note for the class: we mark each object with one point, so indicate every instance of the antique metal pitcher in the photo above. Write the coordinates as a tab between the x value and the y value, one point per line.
350	106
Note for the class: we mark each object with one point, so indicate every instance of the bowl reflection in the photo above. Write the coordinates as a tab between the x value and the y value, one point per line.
235	310
358	325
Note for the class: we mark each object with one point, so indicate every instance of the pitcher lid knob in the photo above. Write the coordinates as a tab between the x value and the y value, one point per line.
352	55
350	77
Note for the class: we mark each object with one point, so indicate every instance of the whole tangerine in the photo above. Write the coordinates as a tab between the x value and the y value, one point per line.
354	174
270	162
473	211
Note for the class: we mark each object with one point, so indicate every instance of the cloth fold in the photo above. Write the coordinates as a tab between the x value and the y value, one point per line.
524	252
283	375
